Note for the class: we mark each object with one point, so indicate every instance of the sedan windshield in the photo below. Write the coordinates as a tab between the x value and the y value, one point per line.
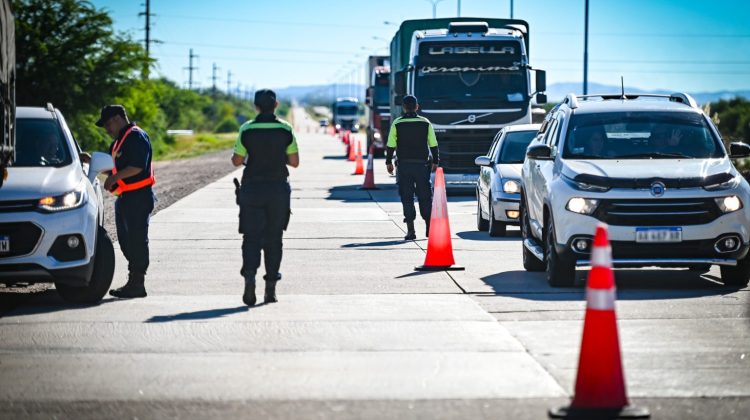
39	142
514	146
640	135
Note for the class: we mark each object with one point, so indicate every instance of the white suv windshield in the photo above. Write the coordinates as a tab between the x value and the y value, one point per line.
640	135
39	142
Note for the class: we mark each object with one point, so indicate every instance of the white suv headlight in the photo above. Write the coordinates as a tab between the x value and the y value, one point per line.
729	204
511	187
68	201
582	205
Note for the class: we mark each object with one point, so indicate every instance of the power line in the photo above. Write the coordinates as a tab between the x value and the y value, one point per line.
274	60
272	22
235	47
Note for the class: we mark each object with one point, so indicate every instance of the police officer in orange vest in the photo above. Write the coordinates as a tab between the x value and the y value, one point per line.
130	180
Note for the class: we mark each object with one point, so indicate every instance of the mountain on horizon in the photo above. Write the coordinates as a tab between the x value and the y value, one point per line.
555	92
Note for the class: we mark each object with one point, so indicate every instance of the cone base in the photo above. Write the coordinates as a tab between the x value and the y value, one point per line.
368	188
627	412
439	268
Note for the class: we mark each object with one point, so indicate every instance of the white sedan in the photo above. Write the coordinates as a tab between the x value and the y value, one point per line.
499	183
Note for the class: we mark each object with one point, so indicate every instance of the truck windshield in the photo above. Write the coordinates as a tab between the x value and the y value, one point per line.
39	142
514	146
640	135
346	110
477	88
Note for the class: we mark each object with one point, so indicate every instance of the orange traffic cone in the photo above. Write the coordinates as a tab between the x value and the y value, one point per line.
358	167
369	183
439	249
600	384
352	155
345	137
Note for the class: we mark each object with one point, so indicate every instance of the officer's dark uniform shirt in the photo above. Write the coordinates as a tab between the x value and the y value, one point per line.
407	138
266	141
135	151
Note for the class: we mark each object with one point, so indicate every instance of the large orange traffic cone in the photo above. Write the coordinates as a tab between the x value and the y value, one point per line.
439	249
600	384
369	183
352	154
358	166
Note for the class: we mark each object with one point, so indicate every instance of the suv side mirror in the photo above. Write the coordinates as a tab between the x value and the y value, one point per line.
100	162
539	152
483	161
739	150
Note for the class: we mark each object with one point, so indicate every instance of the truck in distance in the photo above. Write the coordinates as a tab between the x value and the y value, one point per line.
376	98
345	114
472	76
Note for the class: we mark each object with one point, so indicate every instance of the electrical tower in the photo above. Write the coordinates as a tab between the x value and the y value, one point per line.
147	41
214	77
190	69
229	82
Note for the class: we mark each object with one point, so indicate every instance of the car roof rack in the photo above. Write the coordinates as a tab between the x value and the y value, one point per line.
572	99
49	107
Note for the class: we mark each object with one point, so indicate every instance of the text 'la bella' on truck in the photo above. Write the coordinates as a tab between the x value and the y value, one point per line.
472	77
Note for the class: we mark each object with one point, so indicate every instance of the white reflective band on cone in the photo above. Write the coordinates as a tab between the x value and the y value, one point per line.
600	299
601	256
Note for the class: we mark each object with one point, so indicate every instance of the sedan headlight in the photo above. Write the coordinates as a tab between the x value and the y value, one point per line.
511	187
582	205
729	204
67	201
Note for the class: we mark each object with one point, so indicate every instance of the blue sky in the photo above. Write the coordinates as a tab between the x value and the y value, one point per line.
687	45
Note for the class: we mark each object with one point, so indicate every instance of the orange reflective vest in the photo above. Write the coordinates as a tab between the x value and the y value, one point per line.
122	186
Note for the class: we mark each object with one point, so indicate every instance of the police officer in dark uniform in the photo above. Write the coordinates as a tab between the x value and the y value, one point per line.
413	139
130	180
266	145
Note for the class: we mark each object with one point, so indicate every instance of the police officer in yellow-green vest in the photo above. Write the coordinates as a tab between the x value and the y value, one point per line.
413	140
266	146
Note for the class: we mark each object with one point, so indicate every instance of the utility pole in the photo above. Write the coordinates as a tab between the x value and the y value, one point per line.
229	82
511	9
214	77
190	69
586	51
459	8
147	41
434	7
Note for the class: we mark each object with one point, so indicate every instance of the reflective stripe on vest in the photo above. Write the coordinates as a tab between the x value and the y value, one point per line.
122	186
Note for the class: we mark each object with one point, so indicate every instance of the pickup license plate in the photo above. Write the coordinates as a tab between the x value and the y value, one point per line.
656	235
4	244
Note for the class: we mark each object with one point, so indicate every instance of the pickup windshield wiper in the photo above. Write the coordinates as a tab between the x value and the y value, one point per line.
582	156
655	155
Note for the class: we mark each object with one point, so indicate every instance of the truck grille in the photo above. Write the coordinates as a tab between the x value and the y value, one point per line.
457	155
23	238
657	212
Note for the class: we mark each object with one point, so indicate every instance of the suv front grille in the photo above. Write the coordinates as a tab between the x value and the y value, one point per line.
657	212
17	206
23	238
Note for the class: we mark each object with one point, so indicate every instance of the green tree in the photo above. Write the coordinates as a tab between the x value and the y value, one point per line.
67	53
733	118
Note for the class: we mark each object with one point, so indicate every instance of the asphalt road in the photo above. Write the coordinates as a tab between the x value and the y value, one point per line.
356	332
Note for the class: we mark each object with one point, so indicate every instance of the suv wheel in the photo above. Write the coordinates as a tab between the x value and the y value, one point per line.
482	223
561	271
737	275
495	228
530	261
101	277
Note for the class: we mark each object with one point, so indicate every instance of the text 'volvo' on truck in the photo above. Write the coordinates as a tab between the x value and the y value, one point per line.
472	77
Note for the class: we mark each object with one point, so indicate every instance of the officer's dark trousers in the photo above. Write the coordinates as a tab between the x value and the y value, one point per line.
414	178
264	214
132	213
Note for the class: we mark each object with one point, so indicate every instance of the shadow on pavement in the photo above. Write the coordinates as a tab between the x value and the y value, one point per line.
631	285
474	235
198	315
44	302
374	244
416	273
337	157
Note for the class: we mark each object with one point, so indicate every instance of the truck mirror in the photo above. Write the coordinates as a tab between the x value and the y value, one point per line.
399	85
398	99
541	98
541	82
368	96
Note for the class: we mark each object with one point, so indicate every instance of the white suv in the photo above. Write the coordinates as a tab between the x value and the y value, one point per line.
51	211
654	168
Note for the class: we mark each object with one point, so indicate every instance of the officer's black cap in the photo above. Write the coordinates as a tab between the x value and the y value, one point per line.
410	102
110	111
265	99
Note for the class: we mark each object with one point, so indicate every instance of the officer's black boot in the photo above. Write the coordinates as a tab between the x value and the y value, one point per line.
134	288
410	234
270	295
249	295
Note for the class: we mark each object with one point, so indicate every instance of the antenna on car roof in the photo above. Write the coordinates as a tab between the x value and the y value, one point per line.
622	86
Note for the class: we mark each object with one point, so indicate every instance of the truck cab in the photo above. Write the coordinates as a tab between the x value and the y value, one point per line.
345	114
376	99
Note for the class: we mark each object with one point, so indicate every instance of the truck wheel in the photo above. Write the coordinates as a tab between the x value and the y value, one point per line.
561	271
495	228
530	261
737	275
101	277
482	223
